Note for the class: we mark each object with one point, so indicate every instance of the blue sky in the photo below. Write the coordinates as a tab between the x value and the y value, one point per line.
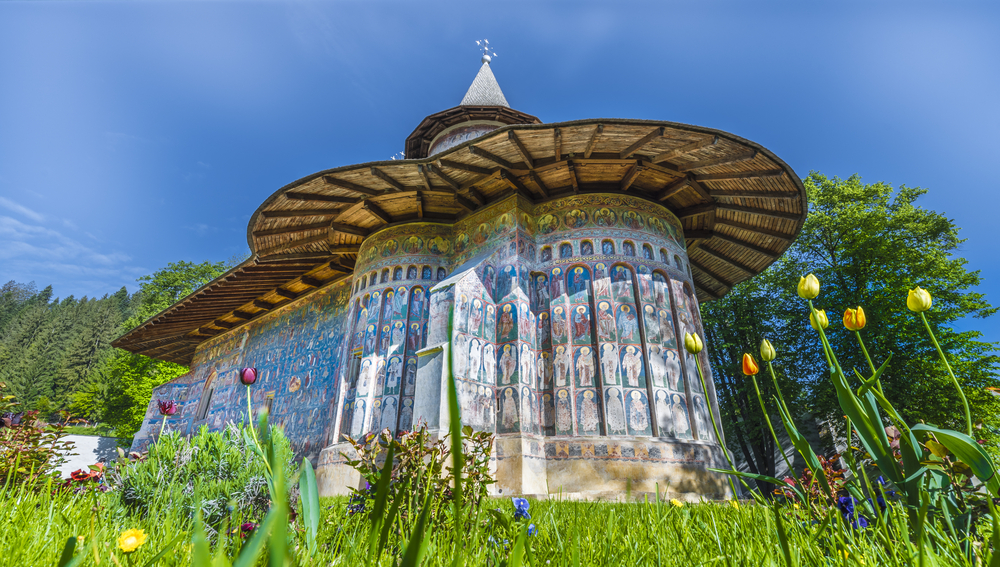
136	134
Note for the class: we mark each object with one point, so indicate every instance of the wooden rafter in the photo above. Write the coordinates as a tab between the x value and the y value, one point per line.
465	203
727	260
476	196
420	205
331	180
491	157
717	278
695	211
311	281
443	177
513	182
784	237
657	133
349	229
754	194
345	249
322	225
537	180
426	178
673	188
385	177
759	212
287	294
573	179
294	244
376	211
685	149
443	163
300	213
744	244
630	176
598	130
724	160
740	175
557	143
525	154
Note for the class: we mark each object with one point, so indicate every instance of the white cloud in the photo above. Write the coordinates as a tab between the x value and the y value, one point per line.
21	209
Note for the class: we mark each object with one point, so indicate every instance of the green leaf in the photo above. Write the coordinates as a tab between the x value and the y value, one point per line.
252	548
309	495
201	555
418	540
969	452
67	553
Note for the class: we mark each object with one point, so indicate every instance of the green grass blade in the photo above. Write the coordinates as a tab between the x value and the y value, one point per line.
278	542
309	494
418	540
252	548
164	551
67	552
201	555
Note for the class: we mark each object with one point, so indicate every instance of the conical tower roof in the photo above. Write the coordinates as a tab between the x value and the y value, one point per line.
484	90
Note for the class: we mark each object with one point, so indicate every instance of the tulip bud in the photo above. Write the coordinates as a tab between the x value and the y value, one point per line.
767	353
808	287
248	376
692	342
854	319
823	321
167	407
918	300
750	367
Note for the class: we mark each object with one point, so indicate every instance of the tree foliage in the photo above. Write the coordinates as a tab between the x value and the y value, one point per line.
868	244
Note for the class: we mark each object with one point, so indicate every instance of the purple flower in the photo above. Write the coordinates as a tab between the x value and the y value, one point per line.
532	530
247	528
167	407
248	376
521	509
846	505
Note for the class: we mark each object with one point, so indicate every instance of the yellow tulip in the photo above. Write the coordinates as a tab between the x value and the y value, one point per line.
767	353
692	342
131	540
918	300
854	319
808	287
823	321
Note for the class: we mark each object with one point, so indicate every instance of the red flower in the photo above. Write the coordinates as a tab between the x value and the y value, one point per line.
248	376
80	475
167	407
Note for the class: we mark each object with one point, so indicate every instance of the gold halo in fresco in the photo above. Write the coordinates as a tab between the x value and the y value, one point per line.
461	242
605	217
575	219
389	248
503	223
547	224
439	245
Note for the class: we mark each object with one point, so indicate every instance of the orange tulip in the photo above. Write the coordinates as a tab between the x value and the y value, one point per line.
750	367
854	319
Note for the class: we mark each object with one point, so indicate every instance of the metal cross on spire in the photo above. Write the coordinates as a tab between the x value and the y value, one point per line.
488	52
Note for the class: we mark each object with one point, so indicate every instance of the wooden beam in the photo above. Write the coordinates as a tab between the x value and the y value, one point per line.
702	192
513	182
593	141
420	206
557	143
657	133
300	213
297	196
708	292
441	175
754	194
223	324
343	264
330	180
695	211
377	212
491	157
727	260
310	281
426	178
724	160
710	274
322	225
294	244
465	203
572	176
740	175
286	293
673	188
752	228
205	331
699	234
686	148
385	177
760	212
525	155
746	245
349	229
306	256
630	176
345	249
261	304
442	163
537	180
242	314
476	196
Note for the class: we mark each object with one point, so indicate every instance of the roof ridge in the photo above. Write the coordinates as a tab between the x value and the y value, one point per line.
484	90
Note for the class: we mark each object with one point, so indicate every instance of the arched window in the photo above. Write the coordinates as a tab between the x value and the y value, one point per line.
608	248
206	397
565	250
547	254
397	273
411	273
586	248
628	248
442	274
426	273
677	262
647	251
385	275
663	256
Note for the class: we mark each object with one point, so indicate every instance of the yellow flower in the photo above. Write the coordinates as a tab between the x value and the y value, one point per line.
79	541
918	300
808	287
854	319
131	540
823	321
767	352
796	505
692	342
734	504
750	367
676	502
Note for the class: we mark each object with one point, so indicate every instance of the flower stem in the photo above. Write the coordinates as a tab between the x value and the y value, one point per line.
162	425
965	402
715	426
770	427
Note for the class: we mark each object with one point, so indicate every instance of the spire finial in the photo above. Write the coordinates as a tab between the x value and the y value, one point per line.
488	53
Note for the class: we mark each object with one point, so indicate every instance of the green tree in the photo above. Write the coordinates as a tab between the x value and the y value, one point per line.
869	244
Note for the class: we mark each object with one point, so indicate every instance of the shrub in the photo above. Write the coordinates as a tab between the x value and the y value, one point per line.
30	450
